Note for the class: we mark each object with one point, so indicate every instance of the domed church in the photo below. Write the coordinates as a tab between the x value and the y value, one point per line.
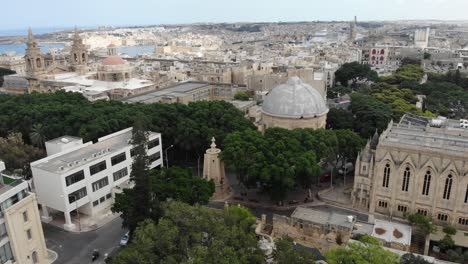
294	104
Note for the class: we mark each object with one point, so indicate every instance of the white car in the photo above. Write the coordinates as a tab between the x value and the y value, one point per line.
124	239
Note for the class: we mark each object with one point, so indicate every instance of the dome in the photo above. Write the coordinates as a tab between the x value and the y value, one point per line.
294	99
113	60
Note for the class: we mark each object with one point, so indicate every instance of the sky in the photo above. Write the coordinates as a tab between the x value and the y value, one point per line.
17	14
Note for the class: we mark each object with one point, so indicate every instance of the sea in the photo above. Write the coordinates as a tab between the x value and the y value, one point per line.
19	49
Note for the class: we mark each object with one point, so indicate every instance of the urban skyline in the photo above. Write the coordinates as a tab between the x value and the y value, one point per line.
146	12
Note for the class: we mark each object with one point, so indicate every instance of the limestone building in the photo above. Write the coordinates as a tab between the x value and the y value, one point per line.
419	165
213	169
294	104
22	238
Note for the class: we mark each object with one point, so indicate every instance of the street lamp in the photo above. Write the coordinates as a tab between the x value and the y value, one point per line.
165	153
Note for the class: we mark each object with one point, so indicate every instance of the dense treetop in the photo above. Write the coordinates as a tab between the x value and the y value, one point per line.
193	234
188	127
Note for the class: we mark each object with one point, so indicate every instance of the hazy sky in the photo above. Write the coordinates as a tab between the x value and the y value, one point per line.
18	14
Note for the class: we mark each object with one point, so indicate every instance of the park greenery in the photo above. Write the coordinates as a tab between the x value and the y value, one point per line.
390	97
350	74
41	117
287	252
367	251
17	155
151	188
242	96
280	159
194	234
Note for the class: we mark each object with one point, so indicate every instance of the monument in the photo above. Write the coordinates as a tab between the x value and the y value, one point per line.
213	169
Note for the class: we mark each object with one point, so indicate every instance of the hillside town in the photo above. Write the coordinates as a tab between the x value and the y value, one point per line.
273	142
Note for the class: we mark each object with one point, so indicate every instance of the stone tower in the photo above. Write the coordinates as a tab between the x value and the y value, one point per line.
79	54
111	50
213	169
353	31
35	66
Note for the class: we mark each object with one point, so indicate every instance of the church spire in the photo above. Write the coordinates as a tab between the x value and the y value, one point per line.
30	36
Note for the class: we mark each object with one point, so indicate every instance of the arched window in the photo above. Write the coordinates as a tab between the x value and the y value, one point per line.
386	176
34	257
83	57
38	62
382	58
374	51
406	179
382	51
76	57
448	187
466	194
373	57
427	183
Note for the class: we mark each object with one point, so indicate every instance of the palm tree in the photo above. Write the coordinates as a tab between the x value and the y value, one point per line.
37	135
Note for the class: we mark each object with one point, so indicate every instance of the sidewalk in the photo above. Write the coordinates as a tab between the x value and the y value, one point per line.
84	223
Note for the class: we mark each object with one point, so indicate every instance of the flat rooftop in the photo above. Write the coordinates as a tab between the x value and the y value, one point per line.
173	91
87	153
321	217
417	131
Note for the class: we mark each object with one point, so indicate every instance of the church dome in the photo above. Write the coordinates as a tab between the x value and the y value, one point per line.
294	99
113	60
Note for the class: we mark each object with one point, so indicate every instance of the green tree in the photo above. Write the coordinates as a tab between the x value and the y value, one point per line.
38	135
427	55
446	243
137	204
372	114
179	184
362	253
242	96
449	230
287	253
409	258
187	234
17	155
340	119
423	223
354	72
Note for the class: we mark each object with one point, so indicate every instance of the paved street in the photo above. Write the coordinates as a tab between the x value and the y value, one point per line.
76	248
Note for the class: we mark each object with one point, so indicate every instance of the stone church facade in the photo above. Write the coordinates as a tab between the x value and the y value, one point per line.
415	167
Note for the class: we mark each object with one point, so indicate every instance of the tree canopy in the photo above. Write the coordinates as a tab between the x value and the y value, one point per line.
193	234
286	252
354	72
163	184
281	158
242	96
188	127
361	253
17	155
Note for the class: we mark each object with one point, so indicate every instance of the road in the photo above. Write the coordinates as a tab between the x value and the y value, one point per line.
75	248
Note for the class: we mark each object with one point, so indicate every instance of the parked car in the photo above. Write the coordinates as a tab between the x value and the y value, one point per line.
124	239
326	177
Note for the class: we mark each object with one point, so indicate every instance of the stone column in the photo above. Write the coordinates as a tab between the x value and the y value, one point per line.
45	214
68	223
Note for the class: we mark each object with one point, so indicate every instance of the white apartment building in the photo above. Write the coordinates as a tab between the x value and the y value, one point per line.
84	177
21	235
